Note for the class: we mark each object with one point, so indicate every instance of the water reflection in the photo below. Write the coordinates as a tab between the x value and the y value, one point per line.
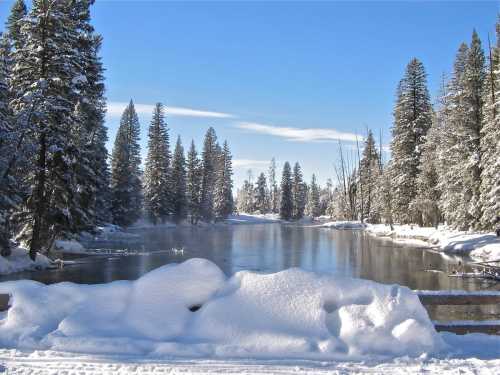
268	248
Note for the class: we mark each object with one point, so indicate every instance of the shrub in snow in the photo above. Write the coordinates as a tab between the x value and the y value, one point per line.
289	314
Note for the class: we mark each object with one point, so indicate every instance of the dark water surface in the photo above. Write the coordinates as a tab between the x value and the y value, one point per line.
264	248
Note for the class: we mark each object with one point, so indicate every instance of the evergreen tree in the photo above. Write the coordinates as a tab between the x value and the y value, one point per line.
286	204
246	197
261	196
223	200
157	200
313	200
452	114
45	76
490	141
273	188
14	22
299	193
178	181
125	170
369	168
412	120
193	184
470	138
209	170
9	190
428	191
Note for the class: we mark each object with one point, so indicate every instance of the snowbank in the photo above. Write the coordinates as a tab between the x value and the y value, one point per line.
245	218
344	225
289	314
480	246
69	246
20	261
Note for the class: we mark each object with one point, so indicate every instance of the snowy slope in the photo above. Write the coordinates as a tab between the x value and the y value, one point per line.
291	314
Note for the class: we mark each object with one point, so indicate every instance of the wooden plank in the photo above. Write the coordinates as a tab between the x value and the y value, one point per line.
4	302
469	327
459	299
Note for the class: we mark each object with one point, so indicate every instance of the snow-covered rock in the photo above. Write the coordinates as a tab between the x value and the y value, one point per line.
19	261
244	218
289	314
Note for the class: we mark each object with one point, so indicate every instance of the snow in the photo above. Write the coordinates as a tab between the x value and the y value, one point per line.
344	225
51	362
244	218
291	314
69	246
480	246
19	260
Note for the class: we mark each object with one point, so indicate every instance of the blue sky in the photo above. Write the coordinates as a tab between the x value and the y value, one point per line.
281	79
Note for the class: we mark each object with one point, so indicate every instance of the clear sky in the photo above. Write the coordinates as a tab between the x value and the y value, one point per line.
281	79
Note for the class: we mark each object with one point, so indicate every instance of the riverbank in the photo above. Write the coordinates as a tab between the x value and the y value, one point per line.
479	246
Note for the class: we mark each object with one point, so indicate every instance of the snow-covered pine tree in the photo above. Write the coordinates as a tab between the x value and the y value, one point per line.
223	198
369	169
470	137
209	169
261	195
125	170
412	120
157	184
313	208
178	183
273	188
9	189
193	184
490	140
428	191
246	197
47	68
451	115
286	204
299	193
13	24
93	176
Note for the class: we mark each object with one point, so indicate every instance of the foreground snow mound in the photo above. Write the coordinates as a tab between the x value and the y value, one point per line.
19	260
290	314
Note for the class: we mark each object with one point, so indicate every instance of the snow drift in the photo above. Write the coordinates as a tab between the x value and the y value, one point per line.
289	314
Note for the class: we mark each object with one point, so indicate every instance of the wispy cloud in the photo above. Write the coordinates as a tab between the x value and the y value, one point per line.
249	163
115	109
300	134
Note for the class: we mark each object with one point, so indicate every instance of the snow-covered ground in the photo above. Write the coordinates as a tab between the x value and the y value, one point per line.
50	362
20	261
344	225
291	314
244	218
480	246
287	322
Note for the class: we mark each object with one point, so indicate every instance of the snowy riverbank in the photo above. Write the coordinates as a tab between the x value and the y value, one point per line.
19	261
479	246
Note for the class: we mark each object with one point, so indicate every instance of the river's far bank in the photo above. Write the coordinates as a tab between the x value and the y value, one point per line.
480	246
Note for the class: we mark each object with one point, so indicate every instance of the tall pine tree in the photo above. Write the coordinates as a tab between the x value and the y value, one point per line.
223	200
194	173
286	204
178	183
209	174
125	170
157	200
412	120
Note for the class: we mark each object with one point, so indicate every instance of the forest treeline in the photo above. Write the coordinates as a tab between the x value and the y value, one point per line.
54	174
444	165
